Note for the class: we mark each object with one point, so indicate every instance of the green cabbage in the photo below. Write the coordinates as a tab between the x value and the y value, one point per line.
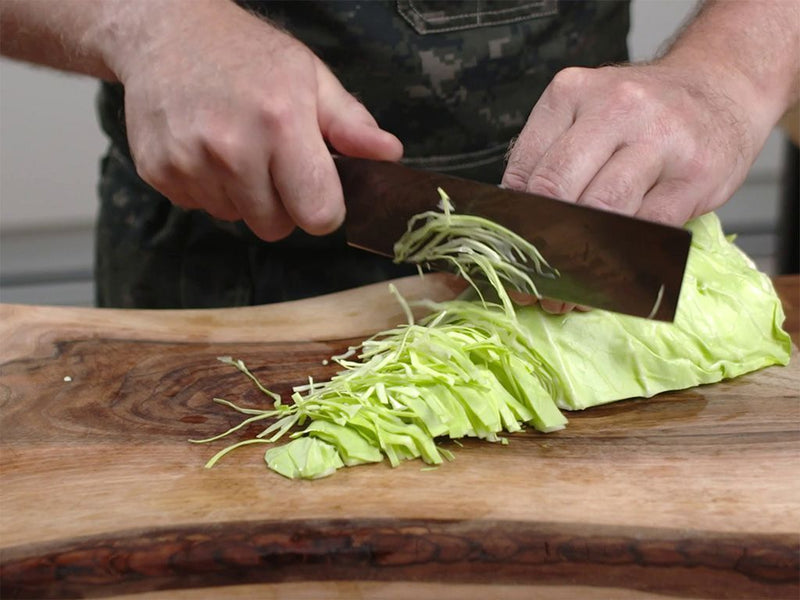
477	368
728	323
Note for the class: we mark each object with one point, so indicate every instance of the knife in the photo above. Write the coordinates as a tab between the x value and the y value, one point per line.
605	260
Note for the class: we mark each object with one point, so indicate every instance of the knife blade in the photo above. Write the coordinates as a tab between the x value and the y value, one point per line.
605	260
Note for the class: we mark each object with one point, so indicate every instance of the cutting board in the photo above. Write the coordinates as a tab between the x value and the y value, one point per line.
689	494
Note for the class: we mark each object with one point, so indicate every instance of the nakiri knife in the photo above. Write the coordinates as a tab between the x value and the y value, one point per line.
605	260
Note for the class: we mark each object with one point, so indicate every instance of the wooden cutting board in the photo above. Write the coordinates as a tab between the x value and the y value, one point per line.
689	494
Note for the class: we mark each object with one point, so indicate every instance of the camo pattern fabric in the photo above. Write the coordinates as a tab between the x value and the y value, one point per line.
454	80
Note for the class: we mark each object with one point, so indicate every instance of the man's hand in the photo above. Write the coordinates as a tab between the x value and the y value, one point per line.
649	141
230	115
640	140
669	140
672	139
224	112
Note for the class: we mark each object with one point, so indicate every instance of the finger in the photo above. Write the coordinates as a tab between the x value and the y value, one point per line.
553	114
573	160
216	205
670	202
222	206
521	298
548	305
190	193
622	182
181	199
548	120
261	209
178	191
237	174
556	307
455	283
305	177
206	194
349	126
168	179
209	194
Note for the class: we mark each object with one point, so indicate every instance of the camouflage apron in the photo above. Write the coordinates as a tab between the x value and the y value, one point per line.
454	80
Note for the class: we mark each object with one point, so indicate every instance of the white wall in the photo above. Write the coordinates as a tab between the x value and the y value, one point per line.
50	145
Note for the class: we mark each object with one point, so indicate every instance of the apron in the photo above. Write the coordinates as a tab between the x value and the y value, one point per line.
455	81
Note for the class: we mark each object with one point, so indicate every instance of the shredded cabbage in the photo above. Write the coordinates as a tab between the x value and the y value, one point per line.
474	247
476	368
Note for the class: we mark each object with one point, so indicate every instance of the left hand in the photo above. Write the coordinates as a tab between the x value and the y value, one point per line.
659	142
653	141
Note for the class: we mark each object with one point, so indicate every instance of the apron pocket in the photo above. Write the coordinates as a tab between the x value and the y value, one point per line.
435	16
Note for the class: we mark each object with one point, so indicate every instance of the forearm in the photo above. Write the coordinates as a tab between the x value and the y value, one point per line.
95	37
754	44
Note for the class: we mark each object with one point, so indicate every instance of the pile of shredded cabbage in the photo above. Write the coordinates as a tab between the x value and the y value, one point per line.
475	368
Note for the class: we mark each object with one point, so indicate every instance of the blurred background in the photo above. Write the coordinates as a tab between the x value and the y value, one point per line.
50	147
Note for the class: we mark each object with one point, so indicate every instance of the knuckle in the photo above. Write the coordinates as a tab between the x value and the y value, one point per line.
569	79
616	195
555	307
669	204
264	214
354	106
322	218
247	204
515	177
666	213
161	164
180	159
179	197
629	93
549	180
153	171
696	167
277	115
317	204
271	230
224	213
226	149
695	162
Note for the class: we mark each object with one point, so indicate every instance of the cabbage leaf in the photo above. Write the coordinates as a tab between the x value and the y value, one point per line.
477	368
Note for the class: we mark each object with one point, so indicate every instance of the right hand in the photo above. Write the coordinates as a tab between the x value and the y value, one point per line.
228	114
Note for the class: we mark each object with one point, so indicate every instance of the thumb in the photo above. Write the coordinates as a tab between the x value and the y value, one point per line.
348	126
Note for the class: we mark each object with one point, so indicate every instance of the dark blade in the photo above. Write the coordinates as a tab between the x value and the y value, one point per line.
605	260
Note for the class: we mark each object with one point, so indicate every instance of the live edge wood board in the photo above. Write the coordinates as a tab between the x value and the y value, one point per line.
689	494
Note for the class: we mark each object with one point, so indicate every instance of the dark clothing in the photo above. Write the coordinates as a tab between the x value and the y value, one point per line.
453	82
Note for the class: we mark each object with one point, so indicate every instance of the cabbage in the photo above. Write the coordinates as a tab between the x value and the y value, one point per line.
728	323
479	368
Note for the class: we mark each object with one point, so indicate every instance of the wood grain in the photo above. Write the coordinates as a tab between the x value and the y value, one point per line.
30	330
504	552
689	494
